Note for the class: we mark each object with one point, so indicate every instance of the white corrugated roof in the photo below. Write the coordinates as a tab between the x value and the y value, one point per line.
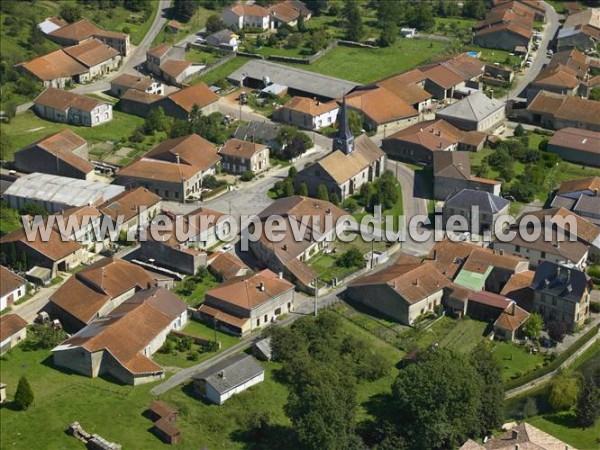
68	191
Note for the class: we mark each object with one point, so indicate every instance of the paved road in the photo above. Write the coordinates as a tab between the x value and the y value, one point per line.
137	56
29	310
540	57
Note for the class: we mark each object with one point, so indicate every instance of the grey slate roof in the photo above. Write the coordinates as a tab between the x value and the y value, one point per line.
587	204
562	202
558	280
257	131
474	107
222	36
231	372
297	79
488	203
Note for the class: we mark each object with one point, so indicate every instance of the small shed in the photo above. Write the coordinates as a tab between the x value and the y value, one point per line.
262	349
174	27
166	431
161	410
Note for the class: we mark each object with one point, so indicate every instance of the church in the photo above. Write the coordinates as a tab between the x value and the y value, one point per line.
351	163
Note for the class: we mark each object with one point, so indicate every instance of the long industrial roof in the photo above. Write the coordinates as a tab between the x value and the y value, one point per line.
297	79
56	189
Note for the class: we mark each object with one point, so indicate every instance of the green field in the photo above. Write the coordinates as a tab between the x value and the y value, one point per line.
195	24
199	56
458	335
515	360
27	128
366	65
196	297
448	25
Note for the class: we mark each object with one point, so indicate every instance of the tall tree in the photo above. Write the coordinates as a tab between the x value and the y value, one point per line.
317	6
24	394
322	406
184	10
353	21
322	193
492	396
436	400
214	23
533	326
587	409
70	11
564	390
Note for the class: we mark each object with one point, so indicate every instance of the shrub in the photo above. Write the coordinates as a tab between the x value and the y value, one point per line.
595	307
24	394
351	258
557	330
247	175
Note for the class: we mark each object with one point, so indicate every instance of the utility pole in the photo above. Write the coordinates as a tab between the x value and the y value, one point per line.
316	295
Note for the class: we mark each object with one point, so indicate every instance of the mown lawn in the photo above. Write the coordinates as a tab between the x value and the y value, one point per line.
563	426
458	335
515	360
196	297
27	128
200	56
366	65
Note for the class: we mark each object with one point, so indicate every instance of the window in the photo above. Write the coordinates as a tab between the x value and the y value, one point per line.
278	311
543	254
517	248
266	318
258	322
176	194
167	193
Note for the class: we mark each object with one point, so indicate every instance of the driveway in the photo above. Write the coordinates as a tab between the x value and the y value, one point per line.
540	57
137	56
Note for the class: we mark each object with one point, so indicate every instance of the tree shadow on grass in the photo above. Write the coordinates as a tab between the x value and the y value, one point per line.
189	390
567	420
275	436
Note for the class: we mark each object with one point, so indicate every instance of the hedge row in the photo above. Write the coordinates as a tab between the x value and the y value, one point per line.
530	376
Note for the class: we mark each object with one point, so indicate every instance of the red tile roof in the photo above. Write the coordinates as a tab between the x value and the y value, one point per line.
54	65
63	100
198	94
77	31
9	281
10	324
91	53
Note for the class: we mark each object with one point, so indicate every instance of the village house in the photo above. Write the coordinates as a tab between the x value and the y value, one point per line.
351	163
506	27
82	224
138	103
288	12
452	173
522	436
238	156
561	294
577	146
404	291
97	57
83	31
381	108
121	343
307	113
13	330
489	270
290	255
263	350
411	93
177	72
566	74
475	112
173	27
551	250
581	197
243	15
243	304
556	111
43	257
63	153
229	377
421	142
174	169
12	288
518	288
226	266
180	104
97	290
156	56
124	82
463	204
505	316
580	30
56	69
61	106
55	193
203	230
135	208
226	39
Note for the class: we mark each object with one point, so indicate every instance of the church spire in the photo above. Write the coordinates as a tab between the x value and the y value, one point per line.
344	140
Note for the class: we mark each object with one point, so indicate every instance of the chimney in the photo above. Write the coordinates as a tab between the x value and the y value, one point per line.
434	255
416	282
501	251
515	435
513	308
221	374
261	286
284	247
177	158
280	275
